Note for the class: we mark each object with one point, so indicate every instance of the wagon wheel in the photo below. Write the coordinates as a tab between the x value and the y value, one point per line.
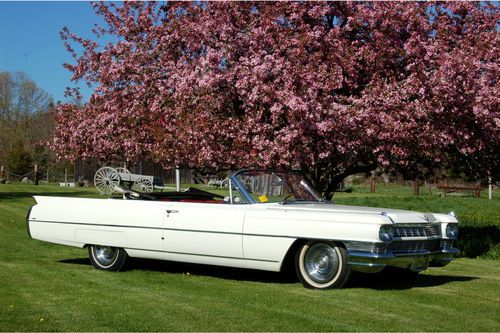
122	170
143	185
106	179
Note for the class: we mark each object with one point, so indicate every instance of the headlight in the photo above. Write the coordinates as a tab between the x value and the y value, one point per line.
386	233
452	230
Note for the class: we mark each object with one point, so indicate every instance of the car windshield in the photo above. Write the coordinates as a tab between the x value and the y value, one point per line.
277	186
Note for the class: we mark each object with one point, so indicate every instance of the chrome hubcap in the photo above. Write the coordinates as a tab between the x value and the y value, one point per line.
321	262
105	255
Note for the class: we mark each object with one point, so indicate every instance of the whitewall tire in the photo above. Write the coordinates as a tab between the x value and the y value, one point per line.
322	265
107	258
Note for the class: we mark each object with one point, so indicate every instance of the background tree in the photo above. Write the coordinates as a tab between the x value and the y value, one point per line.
25	121
331	88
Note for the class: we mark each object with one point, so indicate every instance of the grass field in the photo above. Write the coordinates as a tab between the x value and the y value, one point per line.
46	287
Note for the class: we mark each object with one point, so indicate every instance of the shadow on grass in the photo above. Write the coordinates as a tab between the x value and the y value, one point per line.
77	261
380	281
393	280
229	273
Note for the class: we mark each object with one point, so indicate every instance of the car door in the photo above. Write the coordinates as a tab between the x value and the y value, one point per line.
205	229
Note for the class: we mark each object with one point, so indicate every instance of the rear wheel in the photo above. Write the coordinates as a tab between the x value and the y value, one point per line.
107	258
322	265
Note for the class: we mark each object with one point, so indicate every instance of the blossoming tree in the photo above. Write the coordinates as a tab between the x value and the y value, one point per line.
331	88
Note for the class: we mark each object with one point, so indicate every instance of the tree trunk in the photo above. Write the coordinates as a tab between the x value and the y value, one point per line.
335	179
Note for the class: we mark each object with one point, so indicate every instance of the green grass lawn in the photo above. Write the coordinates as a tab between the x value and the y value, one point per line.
46	287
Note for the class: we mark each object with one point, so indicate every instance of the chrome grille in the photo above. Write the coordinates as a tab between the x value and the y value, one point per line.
414	246
415	230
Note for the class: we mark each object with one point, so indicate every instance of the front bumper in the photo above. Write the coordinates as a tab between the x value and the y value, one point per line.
414	261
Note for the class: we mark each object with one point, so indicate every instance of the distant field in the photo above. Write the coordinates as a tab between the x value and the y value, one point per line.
46	287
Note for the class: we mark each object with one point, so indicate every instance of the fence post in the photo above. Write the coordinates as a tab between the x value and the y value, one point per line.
177	179
416	187
490	194
372	182
36	174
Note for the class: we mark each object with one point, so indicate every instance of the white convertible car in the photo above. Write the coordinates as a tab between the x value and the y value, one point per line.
267	219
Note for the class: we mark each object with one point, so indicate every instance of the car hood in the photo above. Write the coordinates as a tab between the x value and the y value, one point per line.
395	215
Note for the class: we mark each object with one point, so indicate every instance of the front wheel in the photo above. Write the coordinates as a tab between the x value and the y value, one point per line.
107	258
322	265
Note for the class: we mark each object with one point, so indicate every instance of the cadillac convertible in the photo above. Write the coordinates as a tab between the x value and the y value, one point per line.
263	219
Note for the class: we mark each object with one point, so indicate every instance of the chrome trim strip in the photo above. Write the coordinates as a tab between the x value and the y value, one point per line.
97	225
370	255
366	264
391	255
201	255
204	231
230	191
229	233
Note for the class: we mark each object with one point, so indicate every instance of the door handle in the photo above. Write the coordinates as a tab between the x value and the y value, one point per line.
171	211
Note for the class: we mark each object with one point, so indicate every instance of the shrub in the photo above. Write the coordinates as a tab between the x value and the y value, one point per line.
19	160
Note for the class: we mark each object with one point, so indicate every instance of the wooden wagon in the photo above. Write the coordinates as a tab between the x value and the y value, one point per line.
108	179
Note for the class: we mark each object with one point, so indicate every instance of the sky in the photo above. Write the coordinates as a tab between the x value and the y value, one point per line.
30	42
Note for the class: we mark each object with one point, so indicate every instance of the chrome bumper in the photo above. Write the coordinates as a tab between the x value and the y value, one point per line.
414	261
